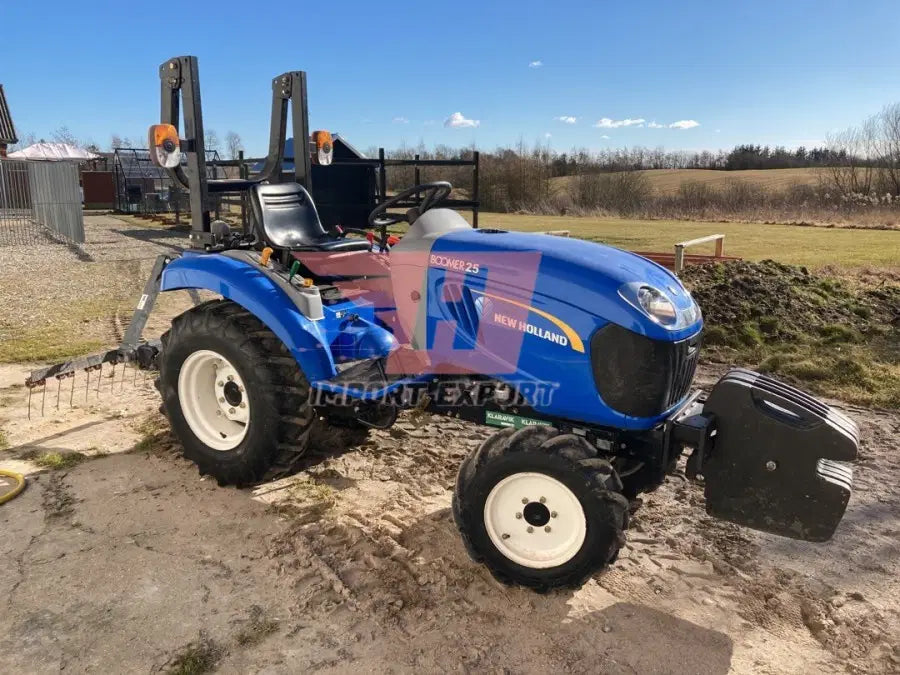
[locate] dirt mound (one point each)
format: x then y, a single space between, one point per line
841 337
750 301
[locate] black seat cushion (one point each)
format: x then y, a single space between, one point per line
287 218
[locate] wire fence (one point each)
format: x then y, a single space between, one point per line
40 202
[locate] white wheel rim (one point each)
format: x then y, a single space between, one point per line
534 520
213 400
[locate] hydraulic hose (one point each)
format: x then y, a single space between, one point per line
20 485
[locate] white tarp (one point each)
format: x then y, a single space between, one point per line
54 152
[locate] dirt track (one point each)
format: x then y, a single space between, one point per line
127 562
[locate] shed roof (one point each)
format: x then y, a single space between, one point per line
53 152
7 129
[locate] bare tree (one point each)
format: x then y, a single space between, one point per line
233 144
888 145
24 142
115 141
63 134
856 148
211 140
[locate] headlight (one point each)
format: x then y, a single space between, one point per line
657 305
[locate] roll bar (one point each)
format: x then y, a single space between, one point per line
180 84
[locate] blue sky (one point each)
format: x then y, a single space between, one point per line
392 72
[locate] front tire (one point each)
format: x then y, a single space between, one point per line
539 508
234 395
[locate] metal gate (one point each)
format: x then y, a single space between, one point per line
40 202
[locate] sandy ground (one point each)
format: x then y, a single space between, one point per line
132 562
127 562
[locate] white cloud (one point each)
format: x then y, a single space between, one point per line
606 123
718 131
655 125
566 119
684 124
458 121
605 136
401 120
535 64
548 135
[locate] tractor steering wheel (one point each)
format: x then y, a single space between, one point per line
433 194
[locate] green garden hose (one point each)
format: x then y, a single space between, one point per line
19 481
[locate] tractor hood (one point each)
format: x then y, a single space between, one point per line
602 280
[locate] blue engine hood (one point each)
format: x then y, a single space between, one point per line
583 274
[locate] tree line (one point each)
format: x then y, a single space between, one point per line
232 147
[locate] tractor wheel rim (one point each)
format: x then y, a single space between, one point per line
534 520
214 400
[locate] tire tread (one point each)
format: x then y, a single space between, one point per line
601 478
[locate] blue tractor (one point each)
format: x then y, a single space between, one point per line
582 356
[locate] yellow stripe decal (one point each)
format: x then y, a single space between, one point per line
567 330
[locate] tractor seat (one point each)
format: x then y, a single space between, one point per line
287 218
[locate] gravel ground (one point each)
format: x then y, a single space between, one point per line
55 296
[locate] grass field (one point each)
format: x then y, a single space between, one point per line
815 247
667 181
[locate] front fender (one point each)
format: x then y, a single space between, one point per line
246 285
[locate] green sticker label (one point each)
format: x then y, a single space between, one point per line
499 419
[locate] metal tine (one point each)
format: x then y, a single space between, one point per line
30 389
43 397
87 385
72 391
99 379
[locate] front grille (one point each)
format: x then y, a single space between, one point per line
638 376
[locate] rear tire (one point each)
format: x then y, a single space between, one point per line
539 508
268 394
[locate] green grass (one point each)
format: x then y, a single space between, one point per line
856 375
55 460
47 345
196 658
153 431
257 629
814 247
69 334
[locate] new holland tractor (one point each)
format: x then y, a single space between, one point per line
582 356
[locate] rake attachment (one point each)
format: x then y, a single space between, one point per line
133 352
104 371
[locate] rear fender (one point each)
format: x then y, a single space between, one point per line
246 285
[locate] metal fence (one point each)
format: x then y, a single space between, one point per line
39 202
